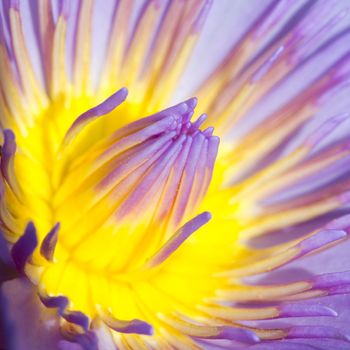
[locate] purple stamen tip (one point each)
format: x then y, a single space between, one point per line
136 327
9 147
59 302
111 102
77 318
192 102
103 108
200 121
178 238
48 245
208 132
24 247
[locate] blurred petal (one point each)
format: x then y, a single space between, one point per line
33 326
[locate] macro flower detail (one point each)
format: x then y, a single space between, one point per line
132 218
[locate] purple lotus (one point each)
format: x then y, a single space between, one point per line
127 221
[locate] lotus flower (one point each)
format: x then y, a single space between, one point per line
125 225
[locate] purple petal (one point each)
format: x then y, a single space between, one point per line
317 332
331 279
67 345
305 310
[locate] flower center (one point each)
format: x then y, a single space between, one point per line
119 201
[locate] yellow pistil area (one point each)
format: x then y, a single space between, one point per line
98 261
